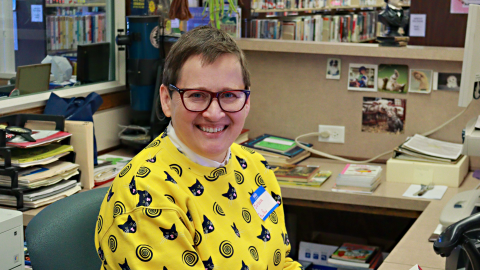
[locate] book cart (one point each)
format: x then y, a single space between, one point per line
5 152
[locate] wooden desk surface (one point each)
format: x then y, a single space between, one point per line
412 249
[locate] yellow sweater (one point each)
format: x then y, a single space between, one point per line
164 211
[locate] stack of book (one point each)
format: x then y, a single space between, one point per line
278 150
393 41
243 137
423 149
300 175
354 256
42 176
358 179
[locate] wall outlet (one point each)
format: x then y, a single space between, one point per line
336 134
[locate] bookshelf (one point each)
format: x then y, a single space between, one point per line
330 8
76 5
351 49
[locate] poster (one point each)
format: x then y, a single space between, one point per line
461 6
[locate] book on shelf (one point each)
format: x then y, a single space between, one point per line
42 137
421 148
22 157
295 173
354 255
243 137
345 265
317 180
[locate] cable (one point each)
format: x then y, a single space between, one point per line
426 134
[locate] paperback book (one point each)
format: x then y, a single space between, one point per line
295 173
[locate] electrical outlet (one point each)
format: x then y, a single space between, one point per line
336 134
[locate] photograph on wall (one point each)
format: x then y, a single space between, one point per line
384 115
393 78
420 81
362 77
447 81
334 68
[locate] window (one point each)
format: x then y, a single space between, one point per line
34 29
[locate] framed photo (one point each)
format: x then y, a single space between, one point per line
393 78
362 77
384 115
334 66
420 81
448 81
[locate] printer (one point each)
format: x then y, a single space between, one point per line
11 239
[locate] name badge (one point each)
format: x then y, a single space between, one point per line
263 203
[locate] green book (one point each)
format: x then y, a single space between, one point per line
276 144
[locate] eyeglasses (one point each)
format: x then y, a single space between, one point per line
195 100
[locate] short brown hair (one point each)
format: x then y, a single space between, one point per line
206 41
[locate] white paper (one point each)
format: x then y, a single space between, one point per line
175 23
37 13
433 147
436 193
418 24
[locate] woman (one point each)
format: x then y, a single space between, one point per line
184 201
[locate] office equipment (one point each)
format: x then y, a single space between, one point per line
470 84
419 172
11 237
458 244
66 229
93 63
33 78
461 206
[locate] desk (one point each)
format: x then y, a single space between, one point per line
412 249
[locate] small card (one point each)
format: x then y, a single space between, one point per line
263 203
436 193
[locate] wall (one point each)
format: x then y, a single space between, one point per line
290 97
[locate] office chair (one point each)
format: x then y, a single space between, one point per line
62 236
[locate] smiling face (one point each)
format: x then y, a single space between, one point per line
209 133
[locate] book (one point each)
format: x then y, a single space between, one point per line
433 148
355 253
346 265
276 144
42 137
291 153
243 137
295 173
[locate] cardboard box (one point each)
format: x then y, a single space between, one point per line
414 172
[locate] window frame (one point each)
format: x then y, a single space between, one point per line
37 100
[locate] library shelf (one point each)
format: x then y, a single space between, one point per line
351 49
76 5
318 9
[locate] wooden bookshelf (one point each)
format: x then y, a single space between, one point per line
318 9
77 5
351 49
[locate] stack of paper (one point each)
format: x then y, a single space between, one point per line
421 148
109 166
42 137
39 155
39 197
358 179
40 176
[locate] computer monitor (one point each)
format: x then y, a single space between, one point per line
33 78
470 84
93 62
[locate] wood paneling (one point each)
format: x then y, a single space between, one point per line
109 101
443 28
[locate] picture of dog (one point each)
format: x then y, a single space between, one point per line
333 68
421 81
452 82
393 78
448 81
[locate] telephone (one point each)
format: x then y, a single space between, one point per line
462 205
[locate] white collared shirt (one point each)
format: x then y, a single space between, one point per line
192 155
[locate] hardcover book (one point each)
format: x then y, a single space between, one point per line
354 253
